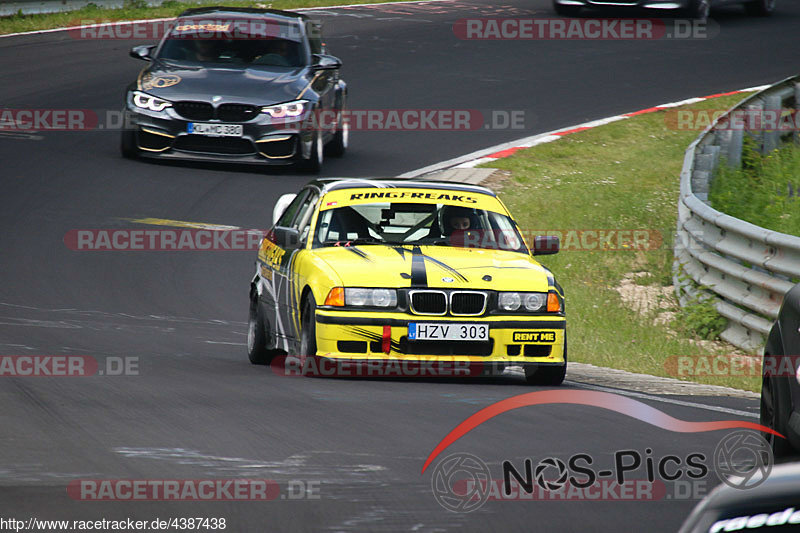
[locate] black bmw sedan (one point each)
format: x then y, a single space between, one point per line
251 86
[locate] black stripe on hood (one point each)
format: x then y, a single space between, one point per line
419 274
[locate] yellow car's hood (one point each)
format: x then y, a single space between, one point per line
434 266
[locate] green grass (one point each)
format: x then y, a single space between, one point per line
623 175
766 192
136 10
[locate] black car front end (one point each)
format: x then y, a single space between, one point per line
212 131
221 88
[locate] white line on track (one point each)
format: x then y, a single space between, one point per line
493 152
673 401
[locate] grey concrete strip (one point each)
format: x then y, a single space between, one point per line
610 377
473 176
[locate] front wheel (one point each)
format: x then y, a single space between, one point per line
549 376
341 139
774 415
127 145
308 328
260 342
698 10
314 162
566 11
760 8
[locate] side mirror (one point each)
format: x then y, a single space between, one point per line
280 206
546 245
142 52
286 238
326 62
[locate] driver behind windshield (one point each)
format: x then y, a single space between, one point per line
456 218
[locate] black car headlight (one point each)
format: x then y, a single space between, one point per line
521 301
286 110
149 102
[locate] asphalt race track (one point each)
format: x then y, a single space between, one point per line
197 409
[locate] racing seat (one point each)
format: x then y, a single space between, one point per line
346 221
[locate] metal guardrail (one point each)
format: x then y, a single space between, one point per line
743 268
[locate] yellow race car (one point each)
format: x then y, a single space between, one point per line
403 277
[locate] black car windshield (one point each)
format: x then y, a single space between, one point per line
239 50
399 223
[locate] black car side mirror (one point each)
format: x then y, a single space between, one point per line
286 238
326 62
142 52
546 245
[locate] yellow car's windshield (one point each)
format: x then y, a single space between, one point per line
403 223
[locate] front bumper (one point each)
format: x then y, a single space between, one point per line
513 340
164 135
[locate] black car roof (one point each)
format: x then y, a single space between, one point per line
333 184
239 11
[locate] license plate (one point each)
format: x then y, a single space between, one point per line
215 130
427 331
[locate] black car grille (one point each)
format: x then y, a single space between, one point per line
467 303
429 302
194 110
237 112
458 303
214 145
225 112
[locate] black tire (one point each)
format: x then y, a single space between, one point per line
549 376
341 139
698 10
314 163
774 413
760 8
260 341
566 11
308 327
127 145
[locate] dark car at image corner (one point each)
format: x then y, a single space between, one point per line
237 85
780 388
694 9
772 506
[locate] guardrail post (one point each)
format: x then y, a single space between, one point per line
735 148
796 113
770 138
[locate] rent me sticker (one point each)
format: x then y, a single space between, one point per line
534 336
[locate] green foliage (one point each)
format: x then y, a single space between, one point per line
765 191
700 318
